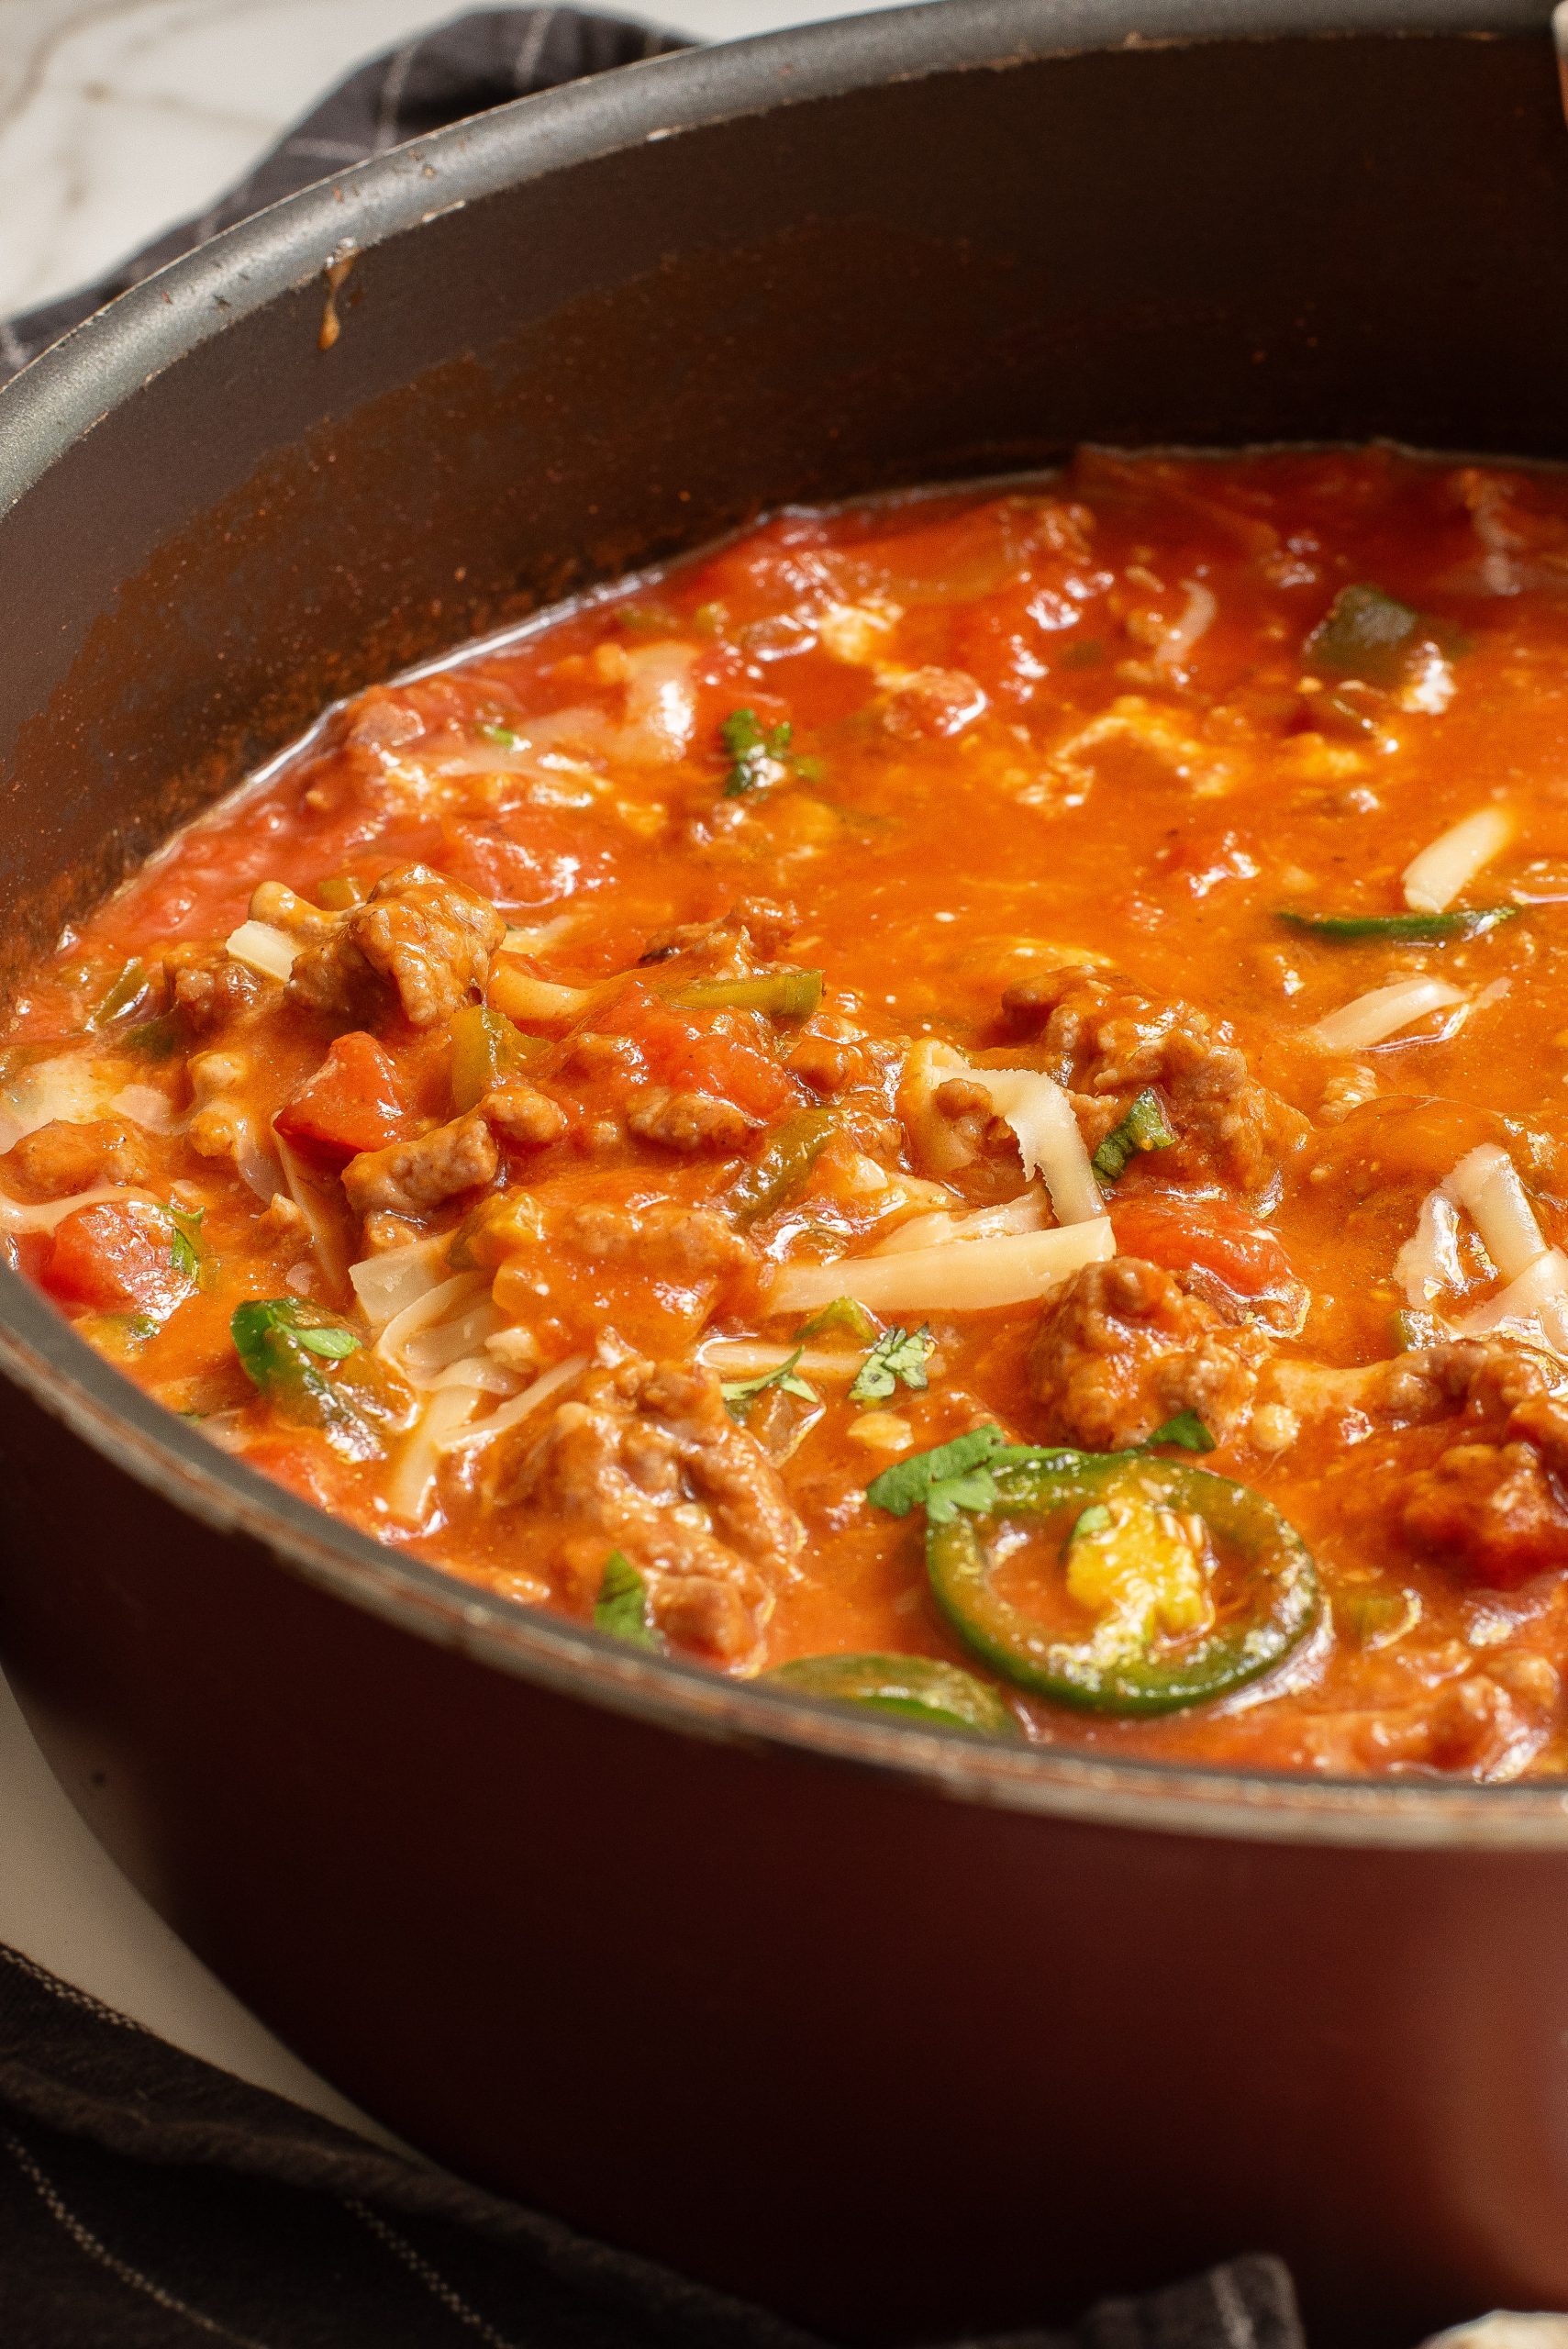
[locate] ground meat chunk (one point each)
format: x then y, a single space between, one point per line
207 988
670 1241
926 702
1495 1503
408 1176
60 1158
1108 1040
645 1459
685 1121
420 940
754 929
1494 1509
1127 1346
522 1114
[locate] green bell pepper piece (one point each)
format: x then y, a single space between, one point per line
1420 929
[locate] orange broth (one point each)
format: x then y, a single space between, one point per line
966 745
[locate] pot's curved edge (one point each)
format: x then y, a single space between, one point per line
45 410
66 390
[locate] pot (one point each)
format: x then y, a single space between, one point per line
892 2030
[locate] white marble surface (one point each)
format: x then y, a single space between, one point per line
120 116
116 118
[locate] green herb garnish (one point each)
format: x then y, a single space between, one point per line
621 1607
955 1475
897 1355
742 1391
502 736
284 1345
1187 1431
844 1313
1143 1128
757 754
185 1240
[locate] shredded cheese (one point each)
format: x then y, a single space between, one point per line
1370 1018
1487 1184
1434 879
508 1415
1013 1269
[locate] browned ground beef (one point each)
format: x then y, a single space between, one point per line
645 1459
420 940
60 1159
1127 1346
408 1176
1108 1040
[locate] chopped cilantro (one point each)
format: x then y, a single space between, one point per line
740 1392
502 736
844 1313
622 1607
1187 1431
185 1240
954 1475
1143 1128
898 1354
757 754
331 1345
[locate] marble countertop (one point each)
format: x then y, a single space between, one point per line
119 117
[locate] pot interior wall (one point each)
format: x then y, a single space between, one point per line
1312 239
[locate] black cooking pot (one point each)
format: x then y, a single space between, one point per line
896 2030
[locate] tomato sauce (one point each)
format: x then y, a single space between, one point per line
971 1086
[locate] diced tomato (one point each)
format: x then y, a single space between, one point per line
692 1052
353 1102
529 857
1180 1233
117 1257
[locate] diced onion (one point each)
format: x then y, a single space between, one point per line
68 1089
1026 1213
386 1284
508 1415
147 1107
1434 879
1429 1262
15 1216
1487 1184
261 948
1370 1018
1535 1305
1011 1269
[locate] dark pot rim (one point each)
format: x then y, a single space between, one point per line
71 387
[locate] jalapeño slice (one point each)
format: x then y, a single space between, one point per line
1129 1663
